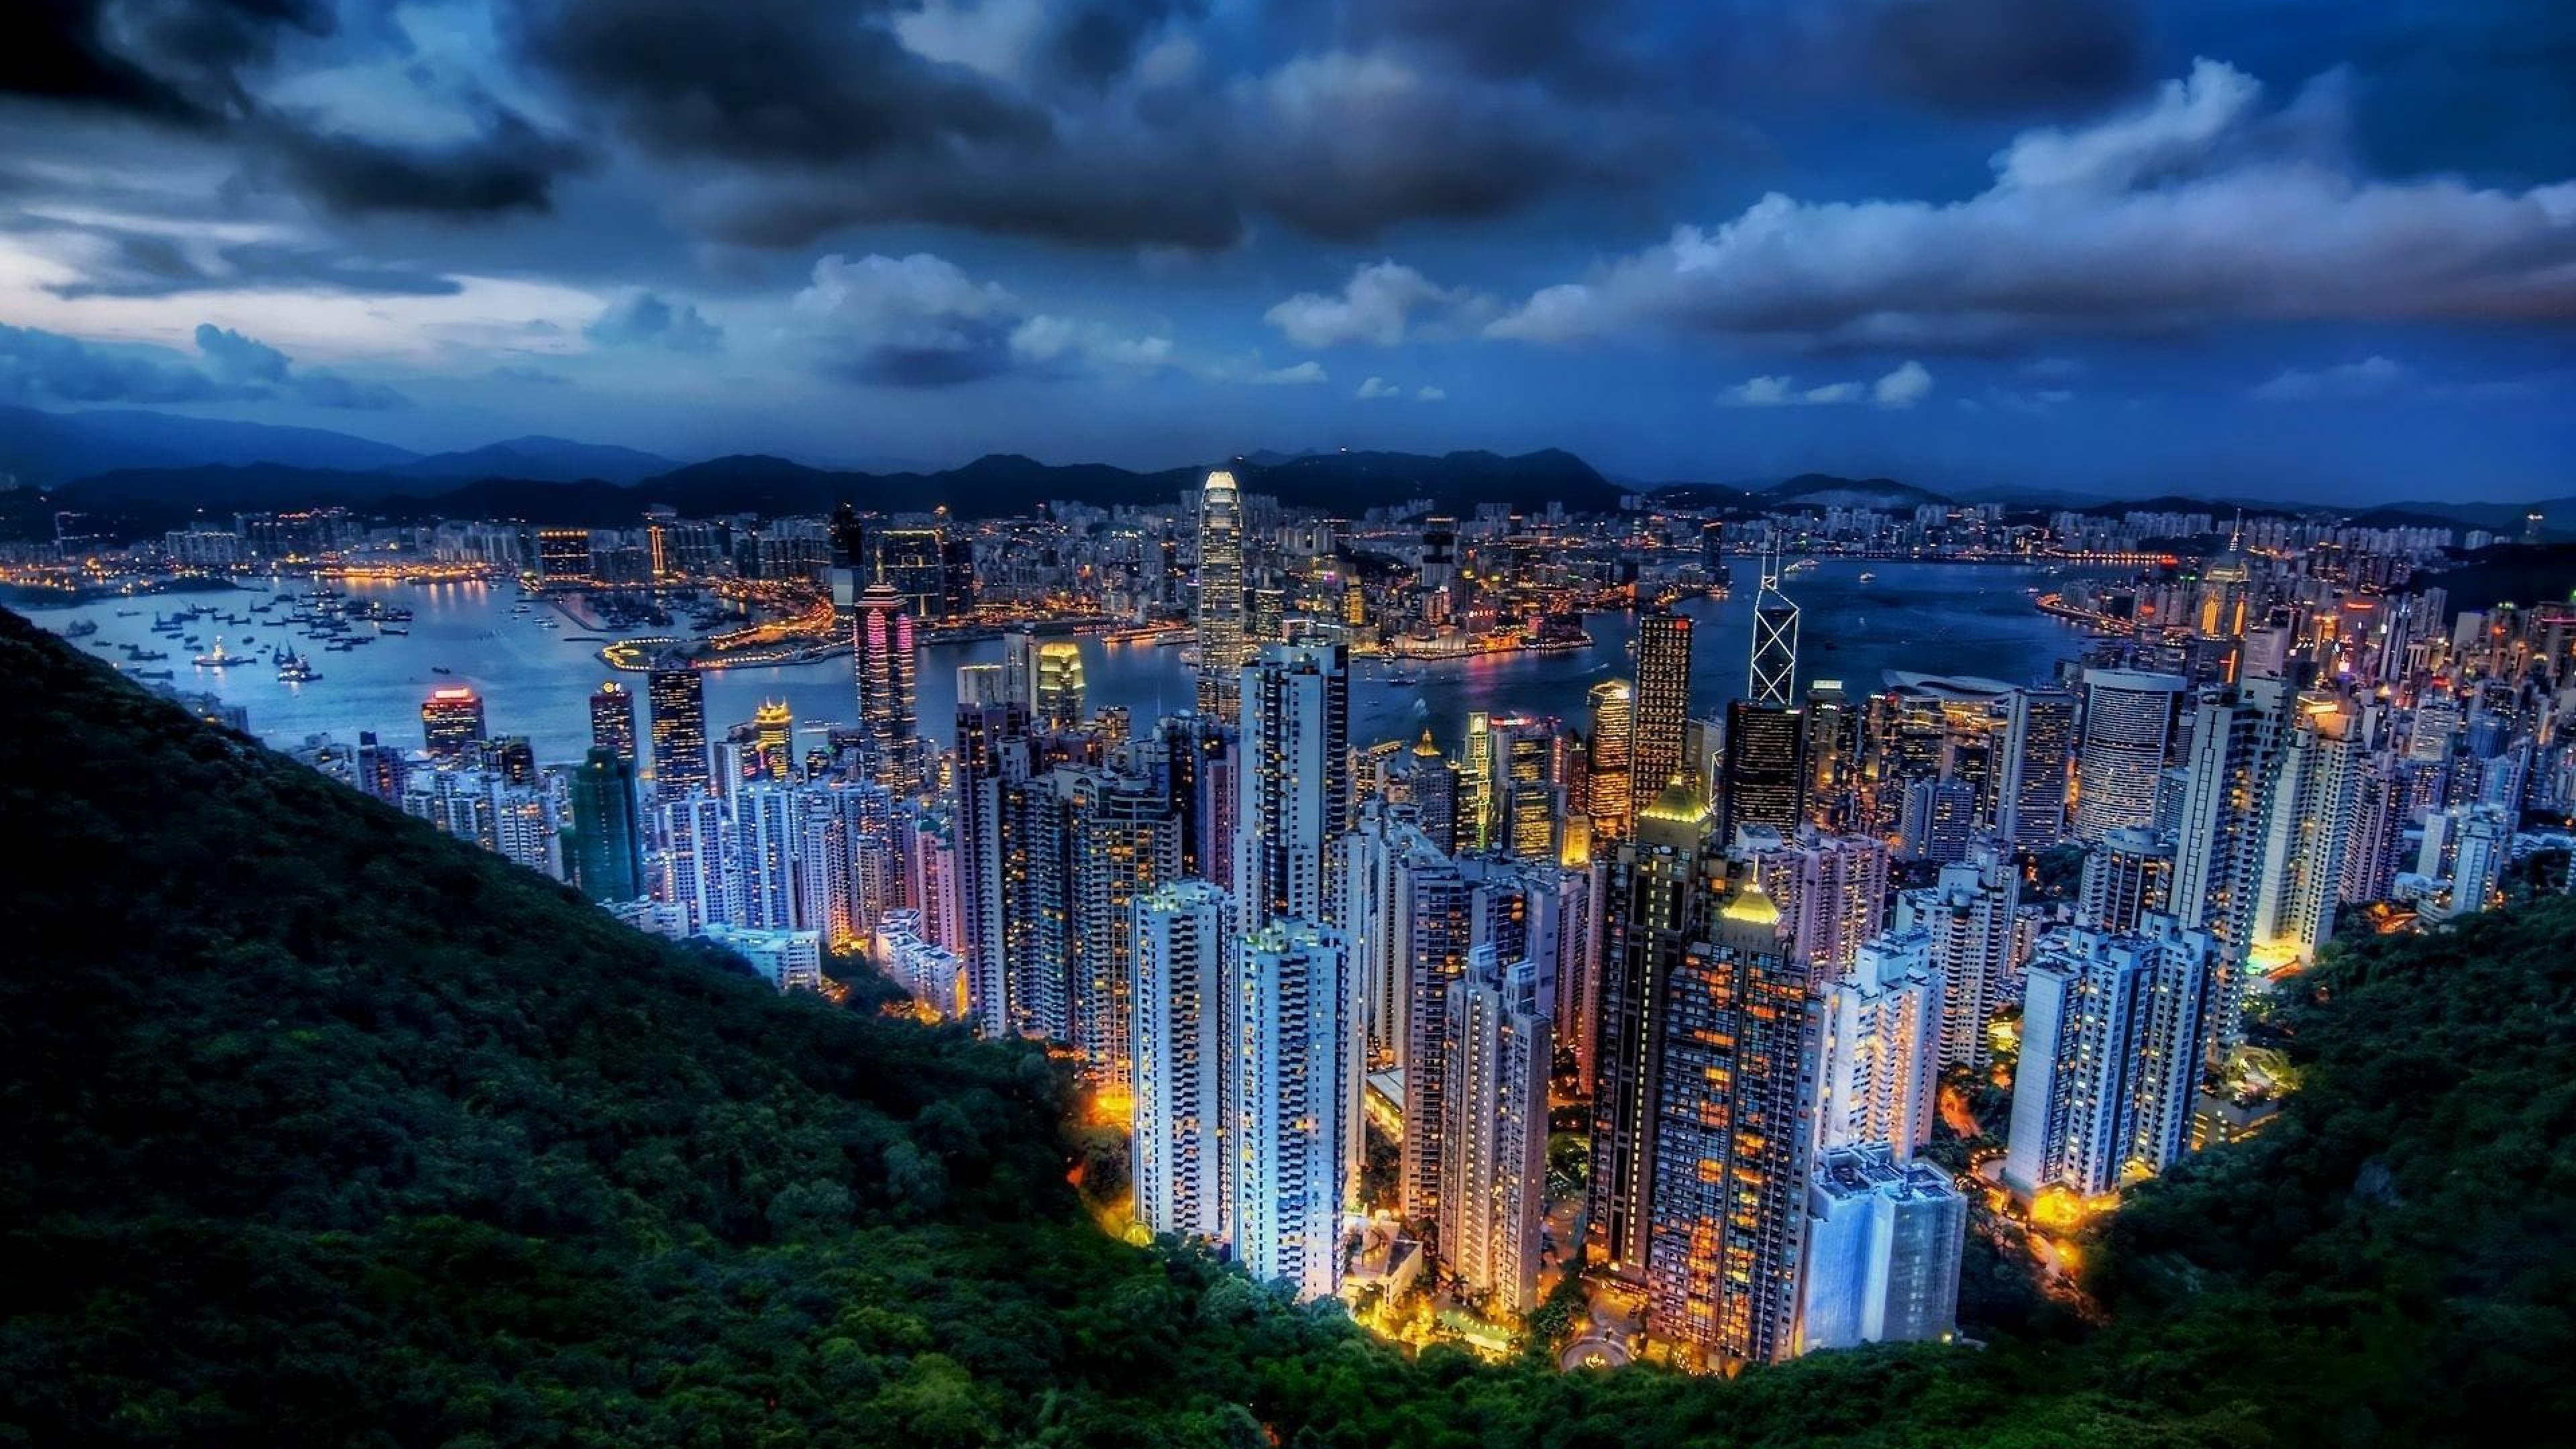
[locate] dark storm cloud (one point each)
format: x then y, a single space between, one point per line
1095 41
1981 57
255 369
153 264
510 166
1579 48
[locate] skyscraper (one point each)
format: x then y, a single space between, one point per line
451 724
1179 1031
1969 914
612 721
1493 1154
2219 839
2127 876
1294 1100
1764 773
1775 641
1657 882
1058 693
1608 753
1662 706
2110 1057
2129 721
1217 605
1735 1111
1884 1242
2039 739
1295 787
677 695
887 691
773 734
1880 1065
607 836
2308 826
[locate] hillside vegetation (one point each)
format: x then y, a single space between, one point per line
317 1128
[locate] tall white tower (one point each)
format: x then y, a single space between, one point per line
1218 608
1179 1159
1295 1102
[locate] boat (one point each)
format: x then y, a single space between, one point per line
1866 576
393 629
80 628
296 669
155 674
1402 679
216 658
127 613
440 669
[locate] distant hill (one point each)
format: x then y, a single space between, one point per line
558 460
2510 573
140 501
42 448
1806 490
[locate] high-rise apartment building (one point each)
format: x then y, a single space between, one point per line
2039 743
2110 1057
1179 1034
1294 790
1879 1068
1969 914
1493 1155
1883 1248
1294 1101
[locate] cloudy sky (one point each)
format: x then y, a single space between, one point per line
2299 247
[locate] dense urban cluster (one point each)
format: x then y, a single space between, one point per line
1649 1015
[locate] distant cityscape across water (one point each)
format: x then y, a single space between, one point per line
1861 619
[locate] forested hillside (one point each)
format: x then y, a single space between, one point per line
317 1127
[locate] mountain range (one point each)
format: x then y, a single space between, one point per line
136 472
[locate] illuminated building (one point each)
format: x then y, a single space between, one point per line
2310 818
1775 641
1493 1150
1831 891
563 557
2039 740
2219 838
1657 881
1423 779
612 721
2126 877
2128 738
1295 783
1120 842
1295 1101
1058 692
1607 756
1880 1066
1178 1160
697 872
1734 1144
1217 603
607 837
677 694
773 733
1884 1241
2110 1057
920 566
1662 706
451 724
790 960
766 840
1969 913
885 663
991 743
1833 756
1764 775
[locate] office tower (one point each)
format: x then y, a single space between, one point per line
2128 735
1294 787
1657 882
1735 1097
1775 642
510 758
1493 1158
677 694
1879 1070
986 684
1524 773
915 564
1018 671
1763 779
2128 876
1607 754
1217 605
1833 755
1478 809
2039 740
990 752
1831 891
766 835
1423 779
773 739
1057 697
1193 757
1884 1241
2308 824
697 860
612 721
1178 1158
1661 707
1968 913
451 724
882 646
608 839
1937 819
2218 854
1121 842
2110 1057
1294 1100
